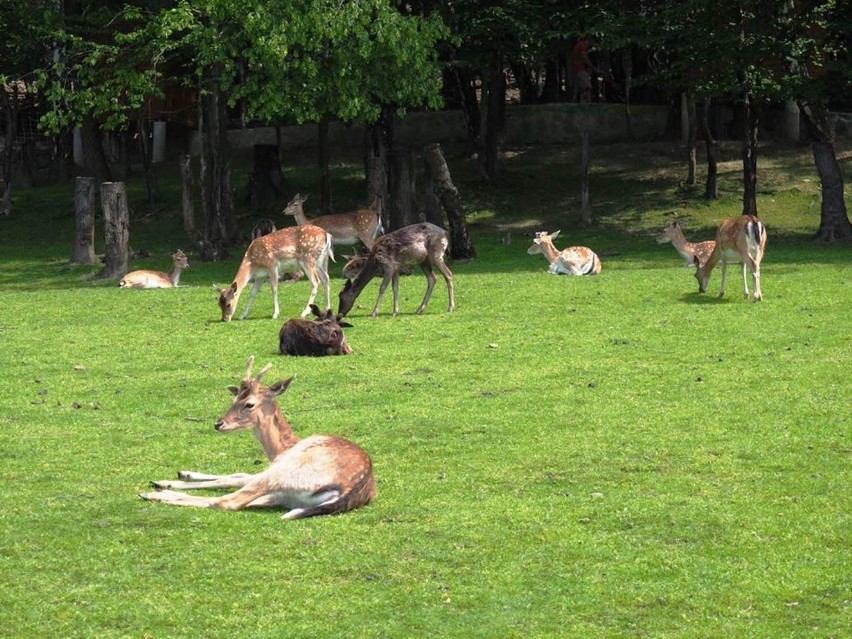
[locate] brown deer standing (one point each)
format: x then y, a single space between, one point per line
575 260
318 475
421 244
673 232
156 279
741 239
306 247
345 228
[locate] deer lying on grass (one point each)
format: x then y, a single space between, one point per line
575 260
264 226
318 475
318 337
345 228
743 240
156 279
422 244
306 247
673 232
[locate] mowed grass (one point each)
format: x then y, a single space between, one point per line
615 456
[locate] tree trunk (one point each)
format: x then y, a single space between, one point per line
84 213
690 139
217 202
379 140
401 187
147 162
469 104
187 182
434 212
585 208
627 63
116 233
460 244
93 150
493 119
325 171
711 190
266 181
749 155
10 108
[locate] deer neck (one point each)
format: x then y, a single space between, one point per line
274 433
301 218
681 245
549 251
371 268
174 276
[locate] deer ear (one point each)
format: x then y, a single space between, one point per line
343 324
279 387
554 234
315 310
235 390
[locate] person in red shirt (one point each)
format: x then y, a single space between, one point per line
581 64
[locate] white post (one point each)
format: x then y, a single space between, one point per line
791 121
79 159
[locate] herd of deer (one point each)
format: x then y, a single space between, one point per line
328 474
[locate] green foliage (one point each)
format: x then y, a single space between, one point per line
615 456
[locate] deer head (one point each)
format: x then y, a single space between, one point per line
253 403
228 301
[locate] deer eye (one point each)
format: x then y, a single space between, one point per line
249 406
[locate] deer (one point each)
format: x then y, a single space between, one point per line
422 244
156 279
318 475
264 226
575 260
345 228
742 240
673 232
306 247
320 336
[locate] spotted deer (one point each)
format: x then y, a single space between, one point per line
421 244
743 240
345 228
575 260
318 475
673 232
156 279
297 247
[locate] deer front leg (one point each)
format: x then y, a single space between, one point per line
254 289
430 284
311 272
196 481
724 273
382 288
395 286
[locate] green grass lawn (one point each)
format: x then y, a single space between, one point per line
615 456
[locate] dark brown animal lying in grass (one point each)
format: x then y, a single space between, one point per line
318 337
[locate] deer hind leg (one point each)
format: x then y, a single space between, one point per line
448 278
254 289
313 277
755 274
196 481
745 270
382 288
430 285
323 503
322 273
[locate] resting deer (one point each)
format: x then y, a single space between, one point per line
345 228
673 232
743 240
422 244
306 247
318 475
264 226
156 279
575 260
318 337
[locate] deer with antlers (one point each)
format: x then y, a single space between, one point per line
742 240
297 247
345 228
422 245
318 475
575 260
156 279
673 232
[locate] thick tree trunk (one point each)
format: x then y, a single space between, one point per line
469 104
93 150
147 162
266 182
116 230
690 139
527 88
84 213
401 187
378 143
749 155
10 109
461 247
585 207
187 182
433 210
493 119
711 190
217 202
324 169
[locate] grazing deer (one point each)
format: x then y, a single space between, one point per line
345 228
575 260
318 337
264 226
743 240
422 244
156 279
318 475
354 264
306 247
673 232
